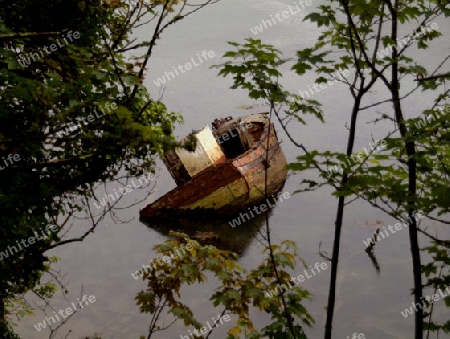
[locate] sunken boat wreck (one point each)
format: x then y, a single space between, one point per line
226 172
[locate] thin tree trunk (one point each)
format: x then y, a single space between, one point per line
412 181
338 224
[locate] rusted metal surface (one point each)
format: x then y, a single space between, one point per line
256 130
176 168
228 186
217 123
253 167
201 186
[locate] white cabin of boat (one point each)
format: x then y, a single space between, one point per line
229 139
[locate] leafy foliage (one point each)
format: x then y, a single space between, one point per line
237 292
75 116
437 273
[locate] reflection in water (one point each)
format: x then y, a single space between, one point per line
209 228
370 250
212 230
374 260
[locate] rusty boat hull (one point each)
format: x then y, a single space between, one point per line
233 181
